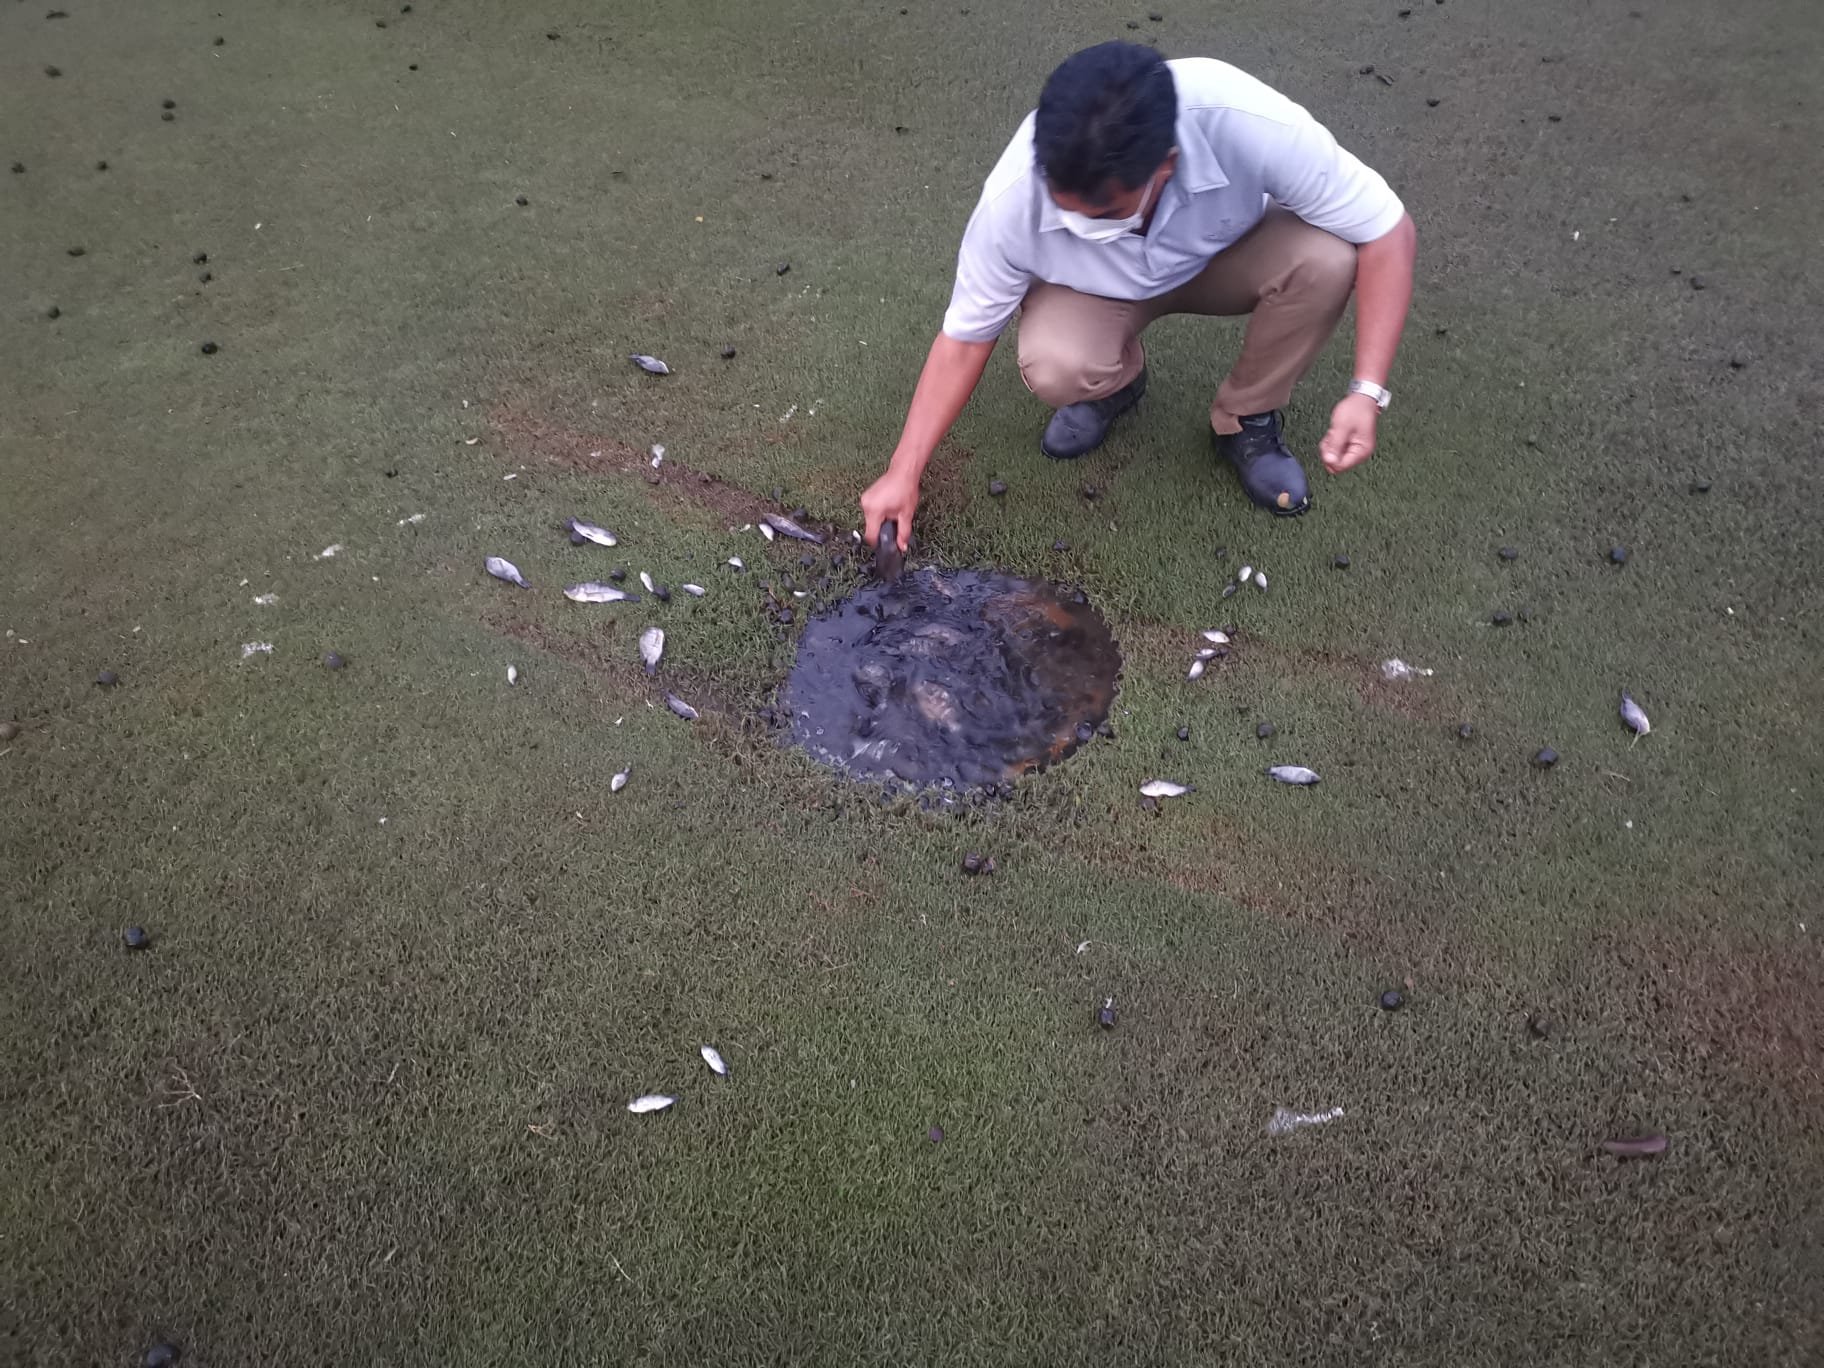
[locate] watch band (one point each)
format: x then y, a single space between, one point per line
1382 397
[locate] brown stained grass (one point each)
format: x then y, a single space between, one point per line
1754 1008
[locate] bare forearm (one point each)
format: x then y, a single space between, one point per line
1383 293
951 373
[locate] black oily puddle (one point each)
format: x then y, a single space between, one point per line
957 679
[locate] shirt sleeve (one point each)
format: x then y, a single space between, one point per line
989 286
1324 184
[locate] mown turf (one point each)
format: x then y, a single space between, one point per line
364 1098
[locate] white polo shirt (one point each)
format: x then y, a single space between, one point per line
1240 143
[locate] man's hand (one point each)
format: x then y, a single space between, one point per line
1350 440
894 496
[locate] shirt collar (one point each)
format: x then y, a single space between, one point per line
1197 171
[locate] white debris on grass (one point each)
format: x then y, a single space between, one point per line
265 600
333 549
1394 668
250 648
1285 1121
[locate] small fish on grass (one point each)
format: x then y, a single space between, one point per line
1292 774
681 708
652 646
593 591
785 527
1196 671
736 563
1284 1121
651 1102
767 531
694 590
1164 788
1395 669
650 364
619 782
581 532
1633 716
646 580
713 1058
333 549
503 569
1216 638
512 674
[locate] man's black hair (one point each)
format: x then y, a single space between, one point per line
1108 113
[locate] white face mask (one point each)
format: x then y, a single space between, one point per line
1107 230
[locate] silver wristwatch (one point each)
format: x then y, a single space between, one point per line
1380 396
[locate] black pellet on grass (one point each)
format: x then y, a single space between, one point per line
78 251
782 268
1545 757
1618 555
379 23
168 104
1340 562
1265 730
521 201
167 116
1366 69
412 67
107 679
206 277
218 42
996 488
617 574
18 168
1184 733
199 258
1502 619
1540 1026
1085 733
1392 1001
160 1356
1698 282
209 349
1466 732
1105 1017
728 353
101 166
1060 545
53 312
135 938
53 72
1508 553
1700 486
1432 101
333 661
661 593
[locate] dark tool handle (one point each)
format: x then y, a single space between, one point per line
889 560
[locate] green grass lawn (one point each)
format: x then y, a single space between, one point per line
364 1099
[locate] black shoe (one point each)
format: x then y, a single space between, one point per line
1269 473
1078 429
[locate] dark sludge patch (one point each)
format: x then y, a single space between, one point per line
957 679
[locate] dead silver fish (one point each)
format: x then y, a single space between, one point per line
713 1058
512 674
1285 1121
592 591
1164 788
680 707
650 364
1207 653
737 563
694 590
785 527
1260 579
589 532
1247 572
619 782
1633 715
1293 774
767 531
646 580
1219 638
503 569
1196 670
652 1102
652 646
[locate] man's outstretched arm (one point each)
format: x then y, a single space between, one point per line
1383 293
952 371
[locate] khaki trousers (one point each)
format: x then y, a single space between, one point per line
1294 279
